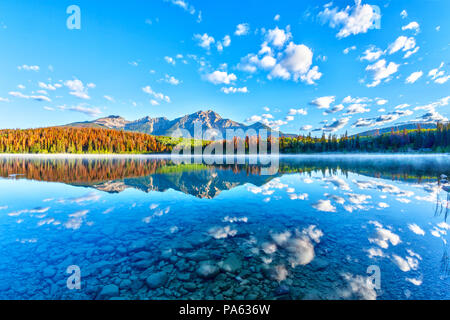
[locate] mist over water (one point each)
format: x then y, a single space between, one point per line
152 228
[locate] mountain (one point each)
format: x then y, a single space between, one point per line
398 127
164 127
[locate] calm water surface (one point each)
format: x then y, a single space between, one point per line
146 228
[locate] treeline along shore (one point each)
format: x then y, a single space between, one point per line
103 141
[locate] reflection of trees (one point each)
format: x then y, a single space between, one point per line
404 169
97 170
445 263
441 206
76 171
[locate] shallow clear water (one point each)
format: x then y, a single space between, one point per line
143 228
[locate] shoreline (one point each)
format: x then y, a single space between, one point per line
167 155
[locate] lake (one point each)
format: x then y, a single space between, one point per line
320 227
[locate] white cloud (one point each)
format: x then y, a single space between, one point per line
28 68
46 86
184 5
170 60
156 95
383 236
306 127
357 108
438 75
324 205
372 54
413 77
323 102
33 97
412 26
347 50
171 79
403 14
77 89
254 118
416 229
226 41
402 43
351 20
295 63
220 77
293 112
380 71
93 112
109 98
381 102
336 125
382 119
234 90
278 37
242 29
410 52
312 75
204 40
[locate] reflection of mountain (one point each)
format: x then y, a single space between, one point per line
207 181
116 175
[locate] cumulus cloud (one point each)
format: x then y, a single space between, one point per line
323 102
352 20
383 236
278 37
405 264
220 77
296 62
412 26
324 205
402 43
78 89
413 77
356 108
372 54
416 229
204 40
336 125
242 29
380 71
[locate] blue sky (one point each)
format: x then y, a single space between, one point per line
298 66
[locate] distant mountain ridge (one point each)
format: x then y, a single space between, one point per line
398 127
161 126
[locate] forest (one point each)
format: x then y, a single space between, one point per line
104 141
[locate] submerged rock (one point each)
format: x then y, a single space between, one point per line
157 280
207 270
108 292
232 264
